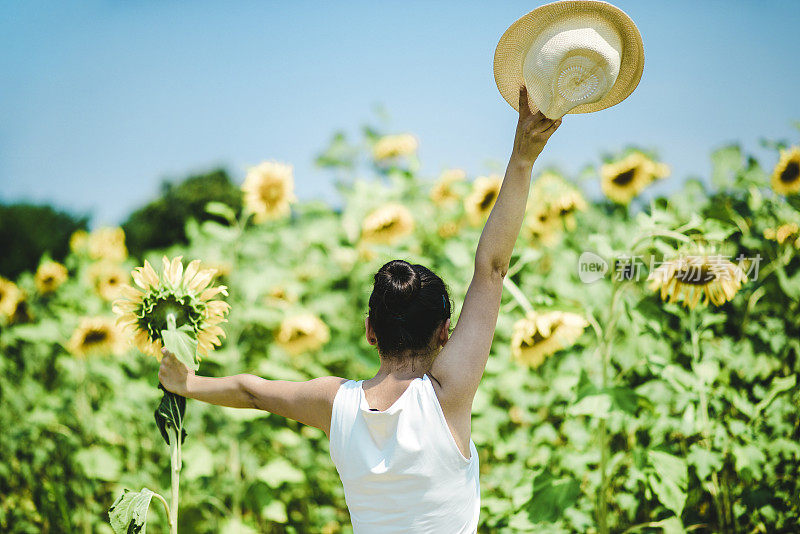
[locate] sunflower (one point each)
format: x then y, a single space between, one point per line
624 179
539 335
302 333
788 232
555 203
542 226
786 176
394 146
269 190
49 276
185 295
10 298
107 279
107 244
387 224
442 193
97 335
448 229
280 296
480 201
78 241
688 278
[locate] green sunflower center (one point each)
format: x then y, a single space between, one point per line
624 178
296 335
697 275
157 307
271 192
533 340
791 172
487 200
93 337
385 227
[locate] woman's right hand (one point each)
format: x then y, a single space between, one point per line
173 374
533 131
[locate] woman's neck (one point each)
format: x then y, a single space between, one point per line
404 367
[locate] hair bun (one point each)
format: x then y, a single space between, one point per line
404 282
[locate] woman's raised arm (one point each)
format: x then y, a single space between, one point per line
459 366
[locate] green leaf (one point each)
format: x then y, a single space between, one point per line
669 481
128 514
221 209
170 413
672 525
551 497
592 405
727 162
182 343
197 461
749 457
279 471
98 463
704 461
236 526
275 511
779 385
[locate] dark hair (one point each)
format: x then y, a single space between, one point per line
408 303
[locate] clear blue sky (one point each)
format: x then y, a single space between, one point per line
101 100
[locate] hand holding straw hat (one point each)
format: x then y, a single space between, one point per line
574 56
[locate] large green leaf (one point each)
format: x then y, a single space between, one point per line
551 497
182 343
669 482
128 514
170 413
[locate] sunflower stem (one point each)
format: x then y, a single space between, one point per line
677 236
175 474
166 509
172 321
706 423
606 343
517 294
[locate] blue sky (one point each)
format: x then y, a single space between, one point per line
100 100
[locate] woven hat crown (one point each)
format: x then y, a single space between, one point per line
574 56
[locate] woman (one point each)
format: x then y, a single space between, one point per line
401 440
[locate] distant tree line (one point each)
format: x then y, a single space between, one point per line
28 231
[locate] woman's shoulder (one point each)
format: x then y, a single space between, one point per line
331 384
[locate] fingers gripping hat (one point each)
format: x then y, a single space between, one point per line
575 56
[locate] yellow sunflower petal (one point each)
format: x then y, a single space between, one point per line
191 271
176 270
211 292
201 280
150 274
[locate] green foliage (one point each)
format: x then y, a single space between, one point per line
128 514
31 231
693 414
170 414
161 222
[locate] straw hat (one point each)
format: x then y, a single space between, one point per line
575 56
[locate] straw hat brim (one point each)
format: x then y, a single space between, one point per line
509 56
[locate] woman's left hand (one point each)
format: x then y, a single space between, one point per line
173 374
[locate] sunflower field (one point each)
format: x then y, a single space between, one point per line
643 375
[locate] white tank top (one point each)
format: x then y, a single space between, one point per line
401 468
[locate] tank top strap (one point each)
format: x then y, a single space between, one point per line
343 415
